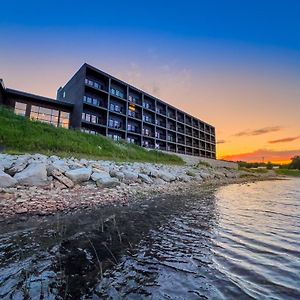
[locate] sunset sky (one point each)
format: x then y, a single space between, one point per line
234 64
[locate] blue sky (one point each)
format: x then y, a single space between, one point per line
214 59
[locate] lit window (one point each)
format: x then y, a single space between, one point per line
20 108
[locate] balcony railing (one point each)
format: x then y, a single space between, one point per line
95 84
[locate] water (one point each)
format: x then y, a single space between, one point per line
240 241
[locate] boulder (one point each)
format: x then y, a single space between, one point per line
6 180
79 175
33 174
145 178
19 165
130 176
62 178
168 177
59 165
99 175
151 171
107 182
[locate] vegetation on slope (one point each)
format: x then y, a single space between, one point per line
21 135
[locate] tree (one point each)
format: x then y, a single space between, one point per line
269 165
295 164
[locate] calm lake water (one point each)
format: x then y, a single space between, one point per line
240 241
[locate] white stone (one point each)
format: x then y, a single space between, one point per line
33 174
6 180
79 175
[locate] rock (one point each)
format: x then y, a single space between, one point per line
79 175
145 178
168 177
19 165
21 210
6 180
117 174
130 176
191 173
33 174
183 178
59 165
100 174
62 178
107 182
150 171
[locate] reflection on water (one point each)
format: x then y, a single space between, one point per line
240 242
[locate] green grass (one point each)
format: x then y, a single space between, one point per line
20 135
288 172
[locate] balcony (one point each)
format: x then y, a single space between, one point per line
94 84
116 108
93 119
134 99
171 115
134 114
116 124
160 136
147 119
117 93
148 106
160 111
93 101
133 128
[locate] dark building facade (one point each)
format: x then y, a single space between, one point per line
98 103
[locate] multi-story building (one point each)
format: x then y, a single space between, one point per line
98 103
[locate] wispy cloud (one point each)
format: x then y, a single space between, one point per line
263 154
259 131
221 142
285 140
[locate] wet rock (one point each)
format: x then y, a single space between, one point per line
6 180
33 174
79 175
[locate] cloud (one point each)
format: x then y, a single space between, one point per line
284 140
259 131
263 154
221 142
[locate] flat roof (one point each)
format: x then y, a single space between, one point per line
38 98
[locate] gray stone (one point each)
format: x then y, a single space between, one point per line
79 175
130 176
99 174
6 180
59 165
107 182
19 165
145 178
168 177
33 174
151 171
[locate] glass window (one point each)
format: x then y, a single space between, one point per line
20 108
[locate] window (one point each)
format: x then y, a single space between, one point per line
49 115
20 108
64 94
64 119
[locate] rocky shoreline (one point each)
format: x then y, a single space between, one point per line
41 185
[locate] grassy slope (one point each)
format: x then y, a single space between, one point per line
288 172
20 135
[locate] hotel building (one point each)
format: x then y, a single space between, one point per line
97 103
